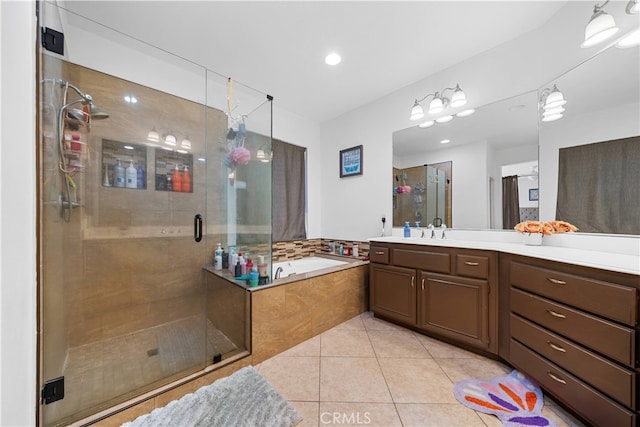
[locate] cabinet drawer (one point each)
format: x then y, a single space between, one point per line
615 302
591 404
604 375
607 338
437 262
472 266
379 254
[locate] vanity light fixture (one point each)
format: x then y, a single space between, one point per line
169 139
439 102
444 119
633 7
153 135
552 102
427 124
186 143
601 26
466 113
630 40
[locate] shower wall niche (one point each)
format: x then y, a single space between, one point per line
124 305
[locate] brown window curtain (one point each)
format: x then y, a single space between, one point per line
510 202
289 194
599 186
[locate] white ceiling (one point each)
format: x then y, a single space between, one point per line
279 47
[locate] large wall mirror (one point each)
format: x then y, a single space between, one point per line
499 136
601 124
507 138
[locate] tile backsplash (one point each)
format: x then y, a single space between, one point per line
296 249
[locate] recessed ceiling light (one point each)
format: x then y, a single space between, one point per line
445 141
332 59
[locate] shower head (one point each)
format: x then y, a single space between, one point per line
95 112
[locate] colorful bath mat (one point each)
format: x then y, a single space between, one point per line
514 399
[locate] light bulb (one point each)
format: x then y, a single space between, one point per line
444 119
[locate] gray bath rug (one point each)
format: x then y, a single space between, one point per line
243 399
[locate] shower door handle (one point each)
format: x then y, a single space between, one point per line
197 227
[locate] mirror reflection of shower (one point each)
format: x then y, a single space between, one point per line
84 112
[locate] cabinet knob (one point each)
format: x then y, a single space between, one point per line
556 281
471 263
555 378
556 314
556 347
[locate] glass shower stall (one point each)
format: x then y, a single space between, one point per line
146 162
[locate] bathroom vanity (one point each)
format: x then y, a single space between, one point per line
557 314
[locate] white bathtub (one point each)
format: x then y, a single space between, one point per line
304 265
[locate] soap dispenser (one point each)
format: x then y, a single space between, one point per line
407 229
131 176
118 174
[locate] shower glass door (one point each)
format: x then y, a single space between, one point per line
126 169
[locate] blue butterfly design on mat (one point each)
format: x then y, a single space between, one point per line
514 399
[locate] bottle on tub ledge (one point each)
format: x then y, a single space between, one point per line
217 260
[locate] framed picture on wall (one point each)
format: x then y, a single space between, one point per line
351 161
533 194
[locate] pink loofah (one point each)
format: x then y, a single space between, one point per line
240 156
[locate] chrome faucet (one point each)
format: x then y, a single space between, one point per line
278 271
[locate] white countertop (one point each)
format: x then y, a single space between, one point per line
620 254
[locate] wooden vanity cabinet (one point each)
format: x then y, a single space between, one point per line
446 292
393 293
574 330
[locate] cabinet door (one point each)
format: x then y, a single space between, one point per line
393 292
454 307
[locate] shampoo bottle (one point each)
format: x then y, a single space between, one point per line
407 229
131 176
176 179
186 180
142 178
118 174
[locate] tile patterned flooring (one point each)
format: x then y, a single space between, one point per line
368 372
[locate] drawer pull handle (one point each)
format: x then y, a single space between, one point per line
379 253
556 314
556 347
556 281
412 280
555 378
471 263
423 283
